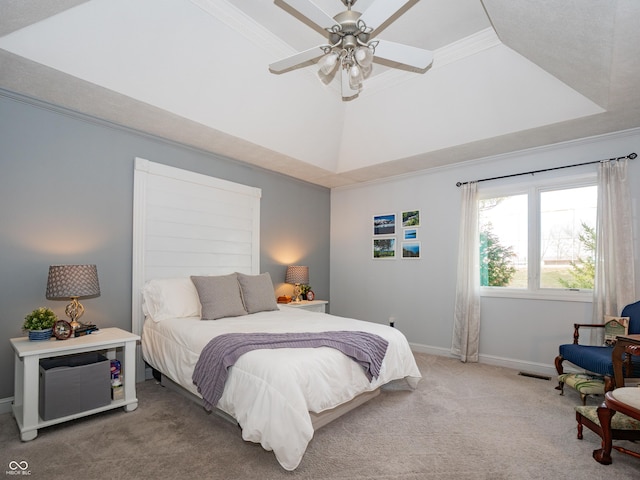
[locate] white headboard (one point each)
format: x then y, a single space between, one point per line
186 223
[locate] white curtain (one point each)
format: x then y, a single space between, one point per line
615 277
466 321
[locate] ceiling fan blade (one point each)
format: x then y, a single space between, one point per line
404 54
381 11
312 12
295 60
347 91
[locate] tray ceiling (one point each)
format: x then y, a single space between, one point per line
507 75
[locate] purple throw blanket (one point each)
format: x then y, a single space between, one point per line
223 351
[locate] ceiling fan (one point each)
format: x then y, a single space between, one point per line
350 45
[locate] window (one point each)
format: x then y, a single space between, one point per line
504 251
538 239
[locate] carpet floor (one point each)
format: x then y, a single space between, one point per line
464 421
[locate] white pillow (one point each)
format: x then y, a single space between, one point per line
166 298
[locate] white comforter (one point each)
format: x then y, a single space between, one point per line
270 392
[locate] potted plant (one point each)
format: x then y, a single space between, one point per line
39 323
303 291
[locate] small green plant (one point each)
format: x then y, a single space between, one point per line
40 319
304 289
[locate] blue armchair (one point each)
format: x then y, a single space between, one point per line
597 359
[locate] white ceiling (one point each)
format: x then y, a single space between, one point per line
507 75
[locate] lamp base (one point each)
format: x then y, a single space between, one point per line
296 293
74 311
75 324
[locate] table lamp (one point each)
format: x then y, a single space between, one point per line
73 282
297 275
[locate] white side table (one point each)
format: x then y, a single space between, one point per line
27 370
312 306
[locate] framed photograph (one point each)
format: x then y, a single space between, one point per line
384 248
411 250
614 326
384 224
410 234
411 218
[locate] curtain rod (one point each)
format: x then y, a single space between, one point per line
631 156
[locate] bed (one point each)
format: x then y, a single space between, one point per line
185 260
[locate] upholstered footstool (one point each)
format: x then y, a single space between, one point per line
623 427
583 383
624 401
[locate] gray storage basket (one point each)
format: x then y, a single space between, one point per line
73 384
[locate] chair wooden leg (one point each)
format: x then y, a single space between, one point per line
603 455
608 383
579 420
560 370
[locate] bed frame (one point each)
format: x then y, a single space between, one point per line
318 420
185 223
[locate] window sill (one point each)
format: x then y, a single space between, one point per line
555 295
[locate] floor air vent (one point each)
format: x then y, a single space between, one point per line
534 375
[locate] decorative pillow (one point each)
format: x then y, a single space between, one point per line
166 298
219 296
257 292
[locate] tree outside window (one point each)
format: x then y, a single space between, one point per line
554 249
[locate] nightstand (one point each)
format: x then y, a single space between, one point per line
312 306
27 374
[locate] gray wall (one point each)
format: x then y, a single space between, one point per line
66 196
515 332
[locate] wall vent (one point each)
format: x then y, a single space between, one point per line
534 375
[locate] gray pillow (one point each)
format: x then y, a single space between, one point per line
257 292
219 296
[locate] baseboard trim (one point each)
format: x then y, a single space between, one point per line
534 367
5 405
418 347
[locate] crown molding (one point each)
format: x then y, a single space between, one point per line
458 50
513 155
246 26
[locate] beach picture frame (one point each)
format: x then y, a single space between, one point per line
410 234
411 250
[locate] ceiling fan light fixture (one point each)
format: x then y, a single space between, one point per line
364 56
328 62
350 44
355 76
